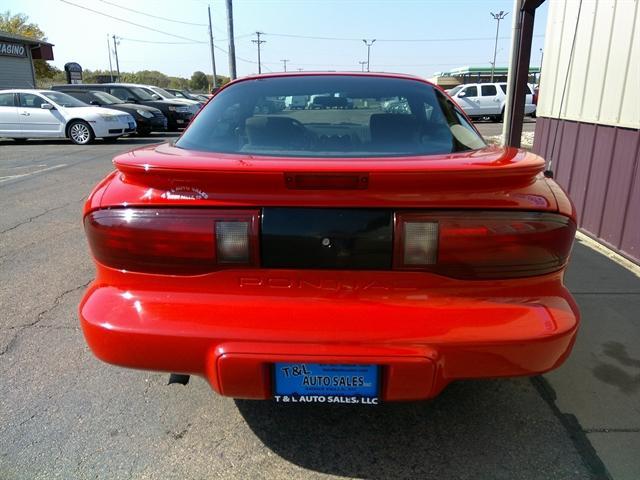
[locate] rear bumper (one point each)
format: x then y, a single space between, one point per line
423 339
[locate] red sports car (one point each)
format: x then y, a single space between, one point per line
338 255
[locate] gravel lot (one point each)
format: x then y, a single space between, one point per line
64 414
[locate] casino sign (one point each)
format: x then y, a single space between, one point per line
13 49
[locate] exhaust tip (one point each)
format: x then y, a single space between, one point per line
178 378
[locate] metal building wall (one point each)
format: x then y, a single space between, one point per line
16 72
600 81
589 115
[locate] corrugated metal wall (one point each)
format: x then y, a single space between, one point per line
16 72
600 82
588 126
599 166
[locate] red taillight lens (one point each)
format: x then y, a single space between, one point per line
483 244
173 241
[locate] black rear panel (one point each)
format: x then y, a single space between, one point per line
327 238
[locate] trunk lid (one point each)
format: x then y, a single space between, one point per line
493 177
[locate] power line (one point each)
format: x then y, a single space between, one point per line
154 16
194 42
159 42
130 23
408 40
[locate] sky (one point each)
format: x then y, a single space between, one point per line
454 33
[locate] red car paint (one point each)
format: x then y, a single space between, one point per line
423 328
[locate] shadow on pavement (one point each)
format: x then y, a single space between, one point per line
475 429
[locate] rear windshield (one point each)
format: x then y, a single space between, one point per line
331 116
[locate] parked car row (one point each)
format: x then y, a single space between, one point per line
177 112
48 114
487 99
83 112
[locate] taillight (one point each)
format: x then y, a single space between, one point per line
173 241
482 244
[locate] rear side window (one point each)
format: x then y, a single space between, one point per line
488 90
503 87
7 100
333 116
471 92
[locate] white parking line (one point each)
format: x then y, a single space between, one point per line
11 177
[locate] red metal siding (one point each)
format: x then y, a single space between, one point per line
599 166
580 177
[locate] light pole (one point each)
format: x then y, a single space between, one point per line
496 16
284 63
368 44
362 64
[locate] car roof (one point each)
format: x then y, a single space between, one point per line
26 90
404 76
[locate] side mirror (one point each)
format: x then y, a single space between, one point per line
47 106
156 97
131 100
94 102
461 94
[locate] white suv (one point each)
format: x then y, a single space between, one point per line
47 114
487 99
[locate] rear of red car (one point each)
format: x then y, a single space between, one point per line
356 254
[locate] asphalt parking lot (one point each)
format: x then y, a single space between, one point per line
64 414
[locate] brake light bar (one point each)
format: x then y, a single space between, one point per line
173 240
459 244
482 244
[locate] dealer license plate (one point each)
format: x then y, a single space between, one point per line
326 383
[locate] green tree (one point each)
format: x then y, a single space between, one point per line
199 81
179 83
152 77
18 24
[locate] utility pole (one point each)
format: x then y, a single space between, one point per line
115 50
232 44
213 55
362 64
259 42
368 44
110 64
496 16
284 63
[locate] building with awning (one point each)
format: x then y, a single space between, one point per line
468 74
17 54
